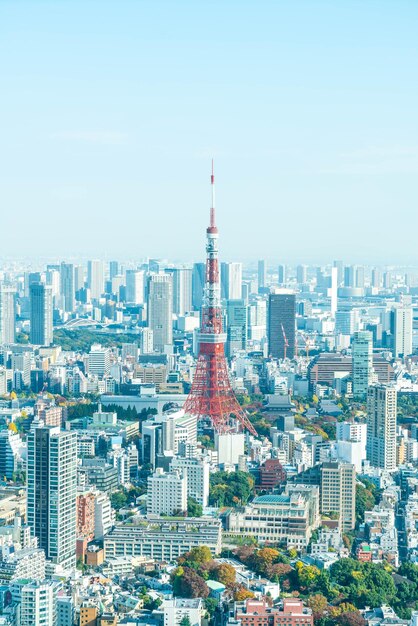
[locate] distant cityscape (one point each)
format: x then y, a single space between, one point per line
184 445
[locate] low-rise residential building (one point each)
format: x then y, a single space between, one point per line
163 539
291 612
176 609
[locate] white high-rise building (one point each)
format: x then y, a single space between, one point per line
229 446
401 328
346 322
104 517
351 443
166 493
135 286
95 278
99 360
338 492
362 351
231 281
333 291
51 491
35 602
381 426
351 431
147 341
160 310
182 290
7 314
197 473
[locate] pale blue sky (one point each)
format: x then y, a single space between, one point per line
111 110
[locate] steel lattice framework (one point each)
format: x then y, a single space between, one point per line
211 395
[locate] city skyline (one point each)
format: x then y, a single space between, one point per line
119 124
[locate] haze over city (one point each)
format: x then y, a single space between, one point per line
112 111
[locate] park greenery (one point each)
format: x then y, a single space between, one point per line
336 595
367 496
230 488
81 339
195 568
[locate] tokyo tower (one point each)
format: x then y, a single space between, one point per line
211 395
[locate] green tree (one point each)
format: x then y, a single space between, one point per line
211 605
367 496
200 554
118 500
230 488
194 509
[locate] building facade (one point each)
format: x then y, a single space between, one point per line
51 491
381 426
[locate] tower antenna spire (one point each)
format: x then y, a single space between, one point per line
212 209
211 396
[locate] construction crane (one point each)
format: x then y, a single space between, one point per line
286 343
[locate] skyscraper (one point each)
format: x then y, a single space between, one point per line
182 289
338 492
387 280
135 286
375 278
381 426
346 322
360 276
282 324
41 329
198 284
67 286
51 491
7 314
78 277
301 274
281 274
262 274
340 271
95 278
401 331
231 281
236 316
362 350
160 310
350 272
334 290
113 269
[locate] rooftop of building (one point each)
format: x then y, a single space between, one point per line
272 499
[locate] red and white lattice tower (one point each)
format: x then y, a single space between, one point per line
211 396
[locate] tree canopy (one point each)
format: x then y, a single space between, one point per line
230 488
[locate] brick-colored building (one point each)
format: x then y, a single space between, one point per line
292 612
271 474
88 615
50 414
85 515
